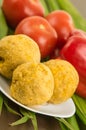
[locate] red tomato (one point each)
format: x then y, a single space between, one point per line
40 31
63 24
16 10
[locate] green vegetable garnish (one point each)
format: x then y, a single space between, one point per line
80 107
1 102
3 25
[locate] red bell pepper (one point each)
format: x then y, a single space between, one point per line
74 51
81 89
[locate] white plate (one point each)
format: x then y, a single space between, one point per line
64 110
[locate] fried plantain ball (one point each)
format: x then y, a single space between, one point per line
65 78
15 50
32 84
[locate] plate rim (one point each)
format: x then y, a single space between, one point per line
37 111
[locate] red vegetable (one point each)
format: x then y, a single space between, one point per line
78 32
16 10
74 51
81 89
54 54
41 31
63 24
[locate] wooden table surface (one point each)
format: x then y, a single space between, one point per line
44 122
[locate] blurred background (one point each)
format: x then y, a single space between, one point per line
80 5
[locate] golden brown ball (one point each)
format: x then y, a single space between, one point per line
32 84
15 50
65 78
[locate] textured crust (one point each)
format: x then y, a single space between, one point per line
32 84
15 50
66 80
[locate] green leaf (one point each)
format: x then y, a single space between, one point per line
1 102
34 120
24 112
52 5
45 6
22 120
73 121
80 103
63 127
11 110
67 124
3 25
11 31
80 107
31 115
